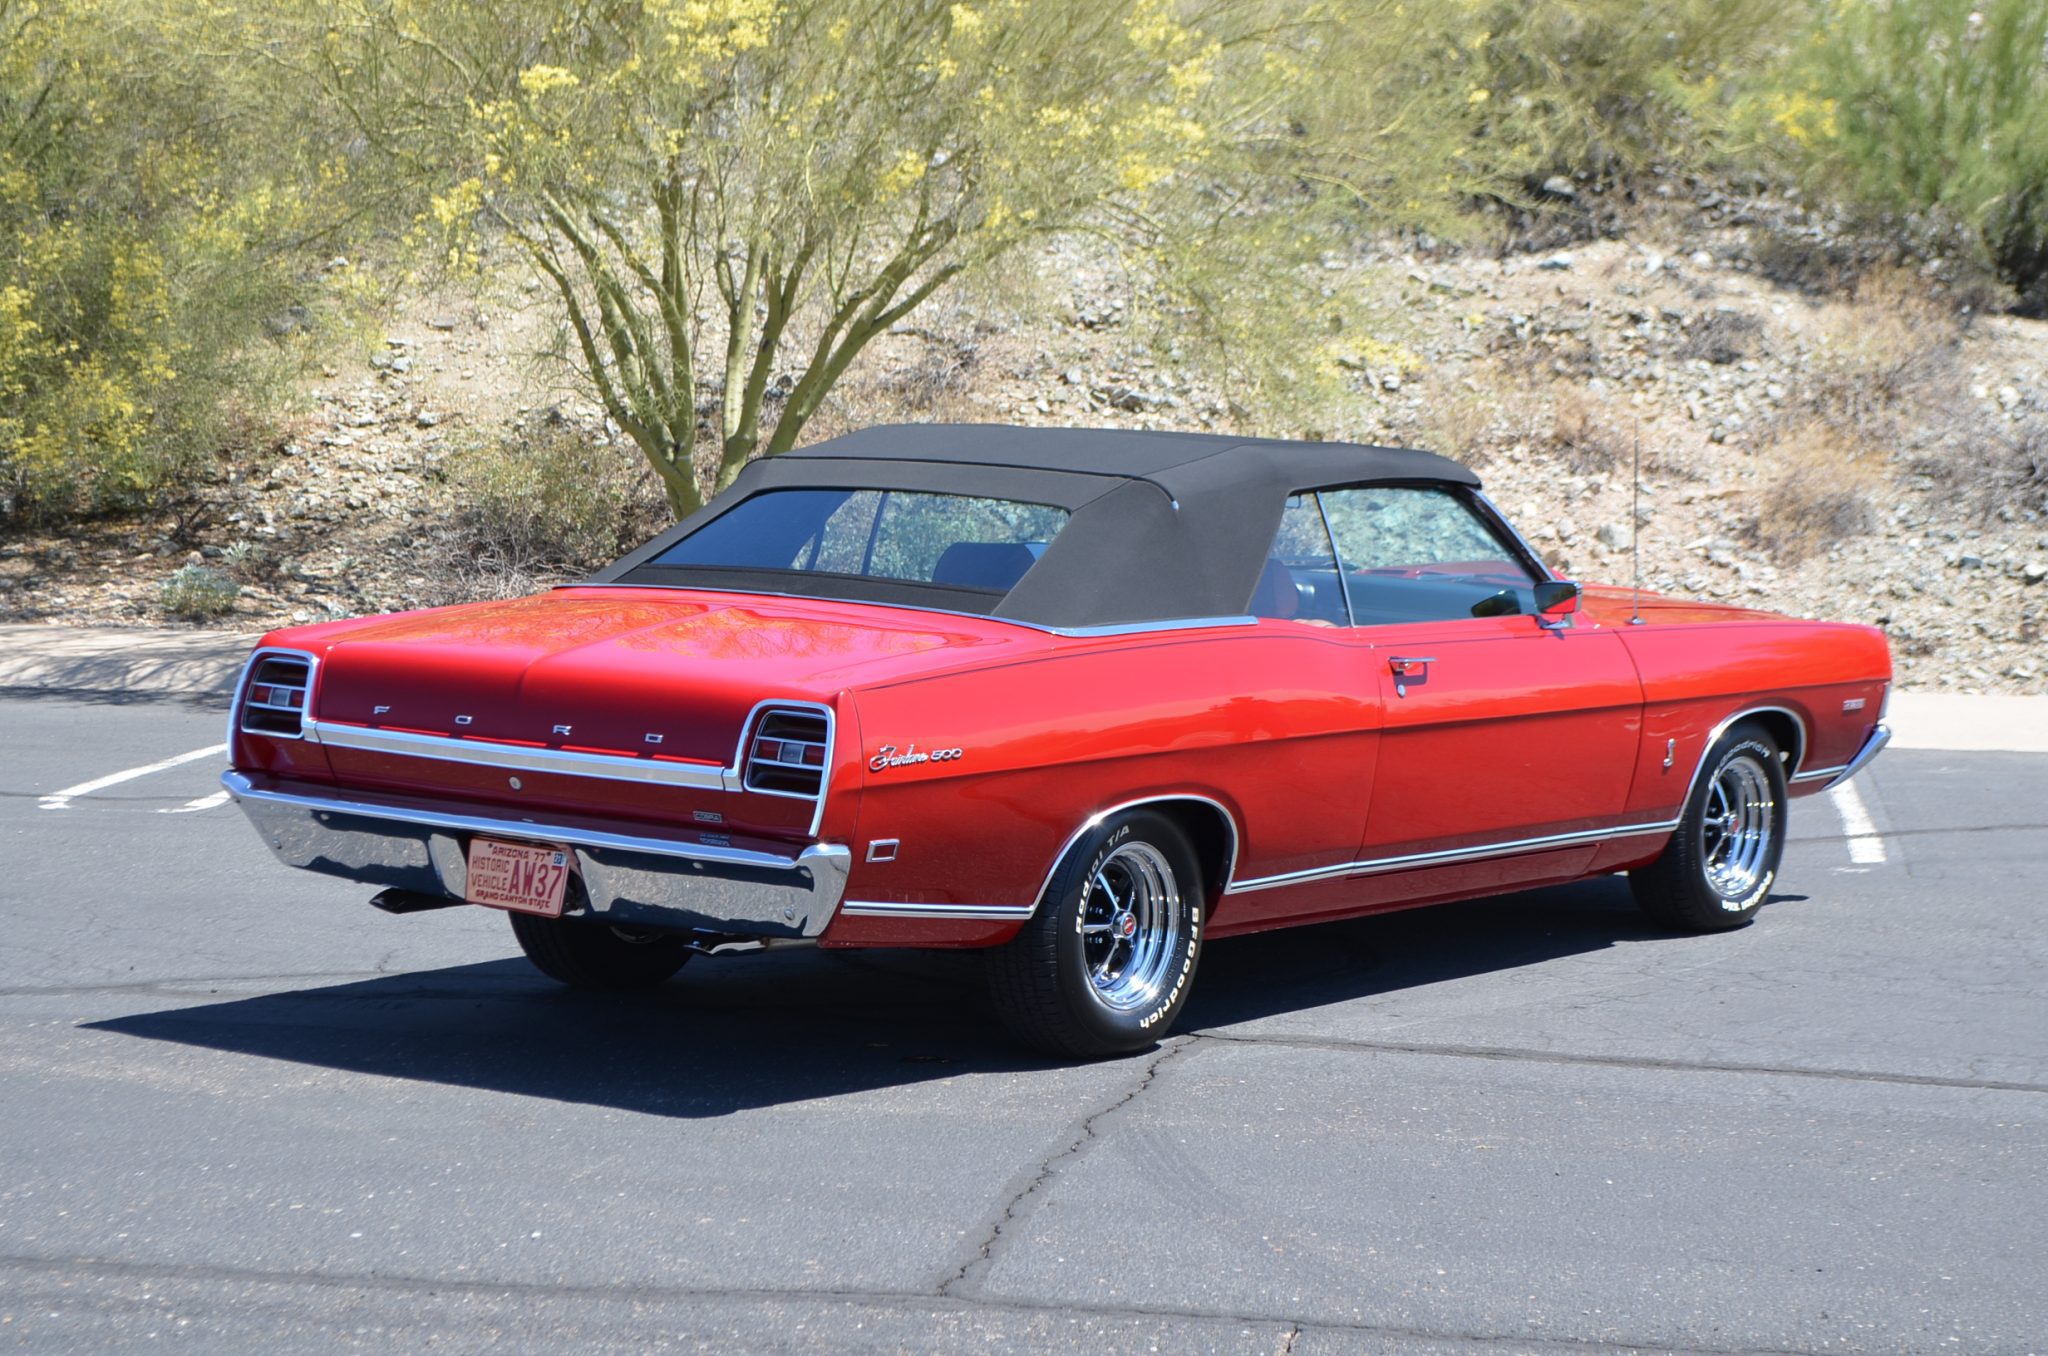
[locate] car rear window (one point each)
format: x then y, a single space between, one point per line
950 541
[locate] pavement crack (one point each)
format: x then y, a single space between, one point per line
1514 1055
75 1271
1024 1200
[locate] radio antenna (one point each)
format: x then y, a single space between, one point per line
1635 526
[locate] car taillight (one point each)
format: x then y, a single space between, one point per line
274 698
787 755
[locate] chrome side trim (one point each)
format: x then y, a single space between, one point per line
604 766
486 753
1144 628
256 657
1817 774
871 909
1714 737
1373 866
242 788
1110 629
1094 820
1880 735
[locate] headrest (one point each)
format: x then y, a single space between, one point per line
995 566
1276 594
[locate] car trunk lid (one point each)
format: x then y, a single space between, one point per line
625 701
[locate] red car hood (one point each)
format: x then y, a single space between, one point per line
616 665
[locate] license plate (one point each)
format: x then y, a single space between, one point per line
525 877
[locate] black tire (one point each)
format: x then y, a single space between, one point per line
1721 863
592 955
1086 977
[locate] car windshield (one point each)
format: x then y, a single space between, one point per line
977 547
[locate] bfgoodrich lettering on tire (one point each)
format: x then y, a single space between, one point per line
1105 964
1720 864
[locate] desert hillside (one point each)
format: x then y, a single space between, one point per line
1870 451
309 310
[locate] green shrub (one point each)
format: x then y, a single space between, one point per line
146 198
1608 87
1932 115
198 592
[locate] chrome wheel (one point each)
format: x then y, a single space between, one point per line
1717 869
1737 828
1130 921
1105 964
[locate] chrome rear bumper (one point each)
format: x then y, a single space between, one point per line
393 841
1880 736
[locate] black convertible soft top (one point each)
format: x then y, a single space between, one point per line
1164 526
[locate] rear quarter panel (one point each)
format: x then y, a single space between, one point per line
1696 675
1279 728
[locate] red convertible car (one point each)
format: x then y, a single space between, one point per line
1087 699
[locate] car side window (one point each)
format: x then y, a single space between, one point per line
1300 581
842 542
1410 553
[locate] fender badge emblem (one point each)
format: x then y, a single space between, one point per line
562 730
464 720
887 757
654 739
380 710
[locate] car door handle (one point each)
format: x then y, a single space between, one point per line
1405 667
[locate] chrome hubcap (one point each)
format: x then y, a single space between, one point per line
1736 830
1130 921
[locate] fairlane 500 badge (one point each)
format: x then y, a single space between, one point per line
888 757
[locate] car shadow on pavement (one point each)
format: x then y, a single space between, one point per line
107 696
763 1030
1294 969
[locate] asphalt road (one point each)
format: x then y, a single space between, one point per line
241 1111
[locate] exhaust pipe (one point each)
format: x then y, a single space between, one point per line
412 901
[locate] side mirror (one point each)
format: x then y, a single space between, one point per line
1556 601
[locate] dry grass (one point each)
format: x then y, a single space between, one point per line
944 367
1825 490
1723 337
1464 422
1889 343
537 506
1889 368
1588 434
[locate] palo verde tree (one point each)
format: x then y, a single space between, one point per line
722 193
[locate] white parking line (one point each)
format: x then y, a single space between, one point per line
61 800
1866 848
203 803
